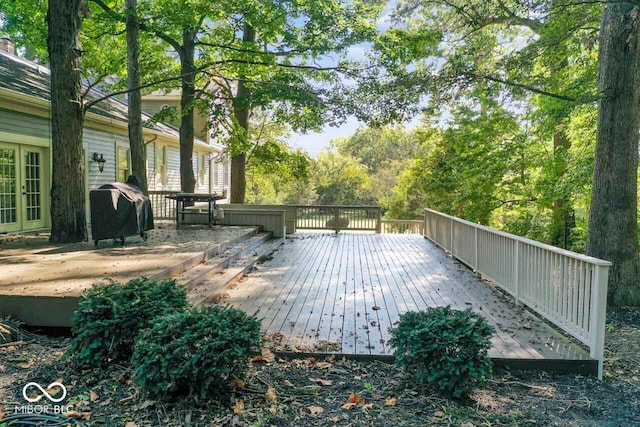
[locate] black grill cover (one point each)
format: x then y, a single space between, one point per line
119 210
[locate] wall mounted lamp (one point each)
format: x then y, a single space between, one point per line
100 160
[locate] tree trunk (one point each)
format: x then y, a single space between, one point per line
134 97
187 99
563 216
613 233
68 216
241 112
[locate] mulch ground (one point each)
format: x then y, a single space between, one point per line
309 392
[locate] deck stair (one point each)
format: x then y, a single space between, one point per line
207 281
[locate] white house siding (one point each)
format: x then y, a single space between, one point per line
151 165
24 124
221 176
173 169
201 187
102 143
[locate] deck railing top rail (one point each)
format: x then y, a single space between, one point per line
339 206
567 288
564 252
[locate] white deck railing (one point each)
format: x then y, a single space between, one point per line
567 288
402 226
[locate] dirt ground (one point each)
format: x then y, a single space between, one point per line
309 392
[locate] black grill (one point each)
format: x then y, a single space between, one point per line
119 210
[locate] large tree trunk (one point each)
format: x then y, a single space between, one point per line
134 97
68 216
613 233
563 216
241 112
187 99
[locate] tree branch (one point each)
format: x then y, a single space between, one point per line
121 18
521 86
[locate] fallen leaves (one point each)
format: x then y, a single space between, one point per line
93 396
78 415
271 395
237 384
315 410
323 365
321 381
267 357
238 407
131 424
527 326
354 400
271 398
390 401
26 365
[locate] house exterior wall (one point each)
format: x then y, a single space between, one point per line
154 105
24 124
22 129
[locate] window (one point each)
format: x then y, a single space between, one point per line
225 176
202 162
124 164
215 172
161 165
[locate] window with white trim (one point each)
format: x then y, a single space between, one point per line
124 164
202 168
215 172
161 165
225 176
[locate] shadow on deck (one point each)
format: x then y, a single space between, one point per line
340 293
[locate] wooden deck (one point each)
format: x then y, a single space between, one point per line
327 292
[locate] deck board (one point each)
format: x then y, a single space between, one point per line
346 291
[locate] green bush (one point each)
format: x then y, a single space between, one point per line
444 348
197 352
110 316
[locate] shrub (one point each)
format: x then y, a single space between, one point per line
445 348
197 352
110 316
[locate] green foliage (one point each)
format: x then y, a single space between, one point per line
110 315
444 348
196 352
341 180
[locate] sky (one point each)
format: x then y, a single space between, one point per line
314 142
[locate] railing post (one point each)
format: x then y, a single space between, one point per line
475 250
598 314
378 220
424 230
451 237
516 273
336 219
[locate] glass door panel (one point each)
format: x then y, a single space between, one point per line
9 180
32 188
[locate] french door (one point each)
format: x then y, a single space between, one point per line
23 183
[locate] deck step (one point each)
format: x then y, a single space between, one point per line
212 289
212 252
201 272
